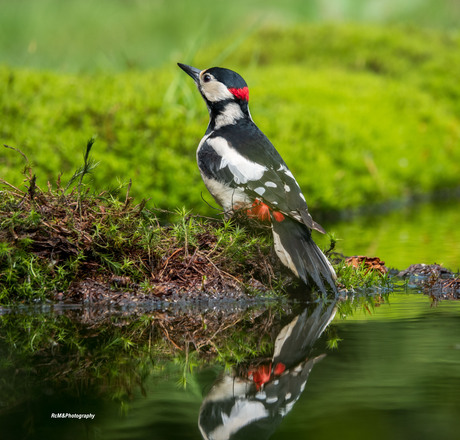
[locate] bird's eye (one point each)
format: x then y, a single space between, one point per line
207 77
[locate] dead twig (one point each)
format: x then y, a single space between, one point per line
18 193
220 271
167 261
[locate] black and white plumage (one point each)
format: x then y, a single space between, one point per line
242 170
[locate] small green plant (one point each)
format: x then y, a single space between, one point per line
360 278
88 166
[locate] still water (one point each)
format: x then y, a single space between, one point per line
423 233
369 366
372 367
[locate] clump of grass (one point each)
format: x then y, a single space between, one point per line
53 244
52 241
360 278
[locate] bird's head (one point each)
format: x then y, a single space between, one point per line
219 87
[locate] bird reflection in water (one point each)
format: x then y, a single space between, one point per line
252 402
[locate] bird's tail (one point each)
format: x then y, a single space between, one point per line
297 250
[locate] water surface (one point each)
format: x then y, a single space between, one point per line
421 233
383 368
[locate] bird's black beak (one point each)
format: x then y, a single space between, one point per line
192 71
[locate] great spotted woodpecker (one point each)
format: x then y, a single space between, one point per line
243 171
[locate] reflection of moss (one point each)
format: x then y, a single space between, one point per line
115 353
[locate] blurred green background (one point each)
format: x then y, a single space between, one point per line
115 35
360 97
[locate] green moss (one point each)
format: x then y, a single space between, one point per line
361 114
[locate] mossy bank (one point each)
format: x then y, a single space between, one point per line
68 243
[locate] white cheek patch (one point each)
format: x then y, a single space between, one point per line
215 91
242 169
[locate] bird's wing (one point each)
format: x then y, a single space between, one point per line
278 189
252 164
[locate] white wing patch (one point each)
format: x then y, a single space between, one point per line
270 184
260 190
288 173
243 169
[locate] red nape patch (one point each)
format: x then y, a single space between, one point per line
242 93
